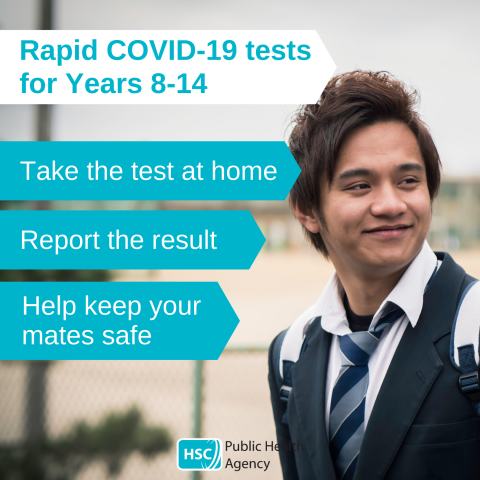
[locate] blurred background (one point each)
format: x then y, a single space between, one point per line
89 420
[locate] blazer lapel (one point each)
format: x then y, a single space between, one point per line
398 401
403 389
309 376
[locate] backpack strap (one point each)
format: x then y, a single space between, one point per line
284 388
287 349
276 357
464 343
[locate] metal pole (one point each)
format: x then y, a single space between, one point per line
197 405
35 415
44 112
46 15
36 400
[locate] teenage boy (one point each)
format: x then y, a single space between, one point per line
373 394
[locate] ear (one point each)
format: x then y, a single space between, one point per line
307 218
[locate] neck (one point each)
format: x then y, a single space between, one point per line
366 293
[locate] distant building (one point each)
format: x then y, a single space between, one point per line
456 214
455 221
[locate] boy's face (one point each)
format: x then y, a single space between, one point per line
377 210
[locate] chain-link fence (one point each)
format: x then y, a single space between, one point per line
226 399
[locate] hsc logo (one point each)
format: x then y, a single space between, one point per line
199 454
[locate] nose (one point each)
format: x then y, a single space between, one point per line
388 201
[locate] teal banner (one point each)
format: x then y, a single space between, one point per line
114 321
146 171
105 240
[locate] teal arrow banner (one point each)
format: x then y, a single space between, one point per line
114 321
146 171
105 240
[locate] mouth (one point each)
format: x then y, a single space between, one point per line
388 231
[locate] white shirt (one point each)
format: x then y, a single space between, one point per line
407 294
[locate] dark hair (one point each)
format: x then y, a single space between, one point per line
351 100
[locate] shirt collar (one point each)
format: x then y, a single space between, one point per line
407 294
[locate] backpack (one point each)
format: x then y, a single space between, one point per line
290 345
464 343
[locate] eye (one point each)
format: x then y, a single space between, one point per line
409 181
360 186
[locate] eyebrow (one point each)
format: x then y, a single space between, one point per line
354 172
357 172
406 167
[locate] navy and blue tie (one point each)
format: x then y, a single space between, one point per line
347 410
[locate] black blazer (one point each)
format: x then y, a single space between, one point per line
421 425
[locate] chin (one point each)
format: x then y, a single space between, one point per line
388 257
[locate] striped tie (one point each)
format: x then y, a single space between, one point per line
347 410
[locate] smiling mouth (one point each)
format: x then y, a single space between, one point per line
389 232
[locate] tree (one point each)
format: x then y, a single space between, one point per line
112 440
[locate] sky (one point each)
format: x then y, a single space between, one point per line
431 45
